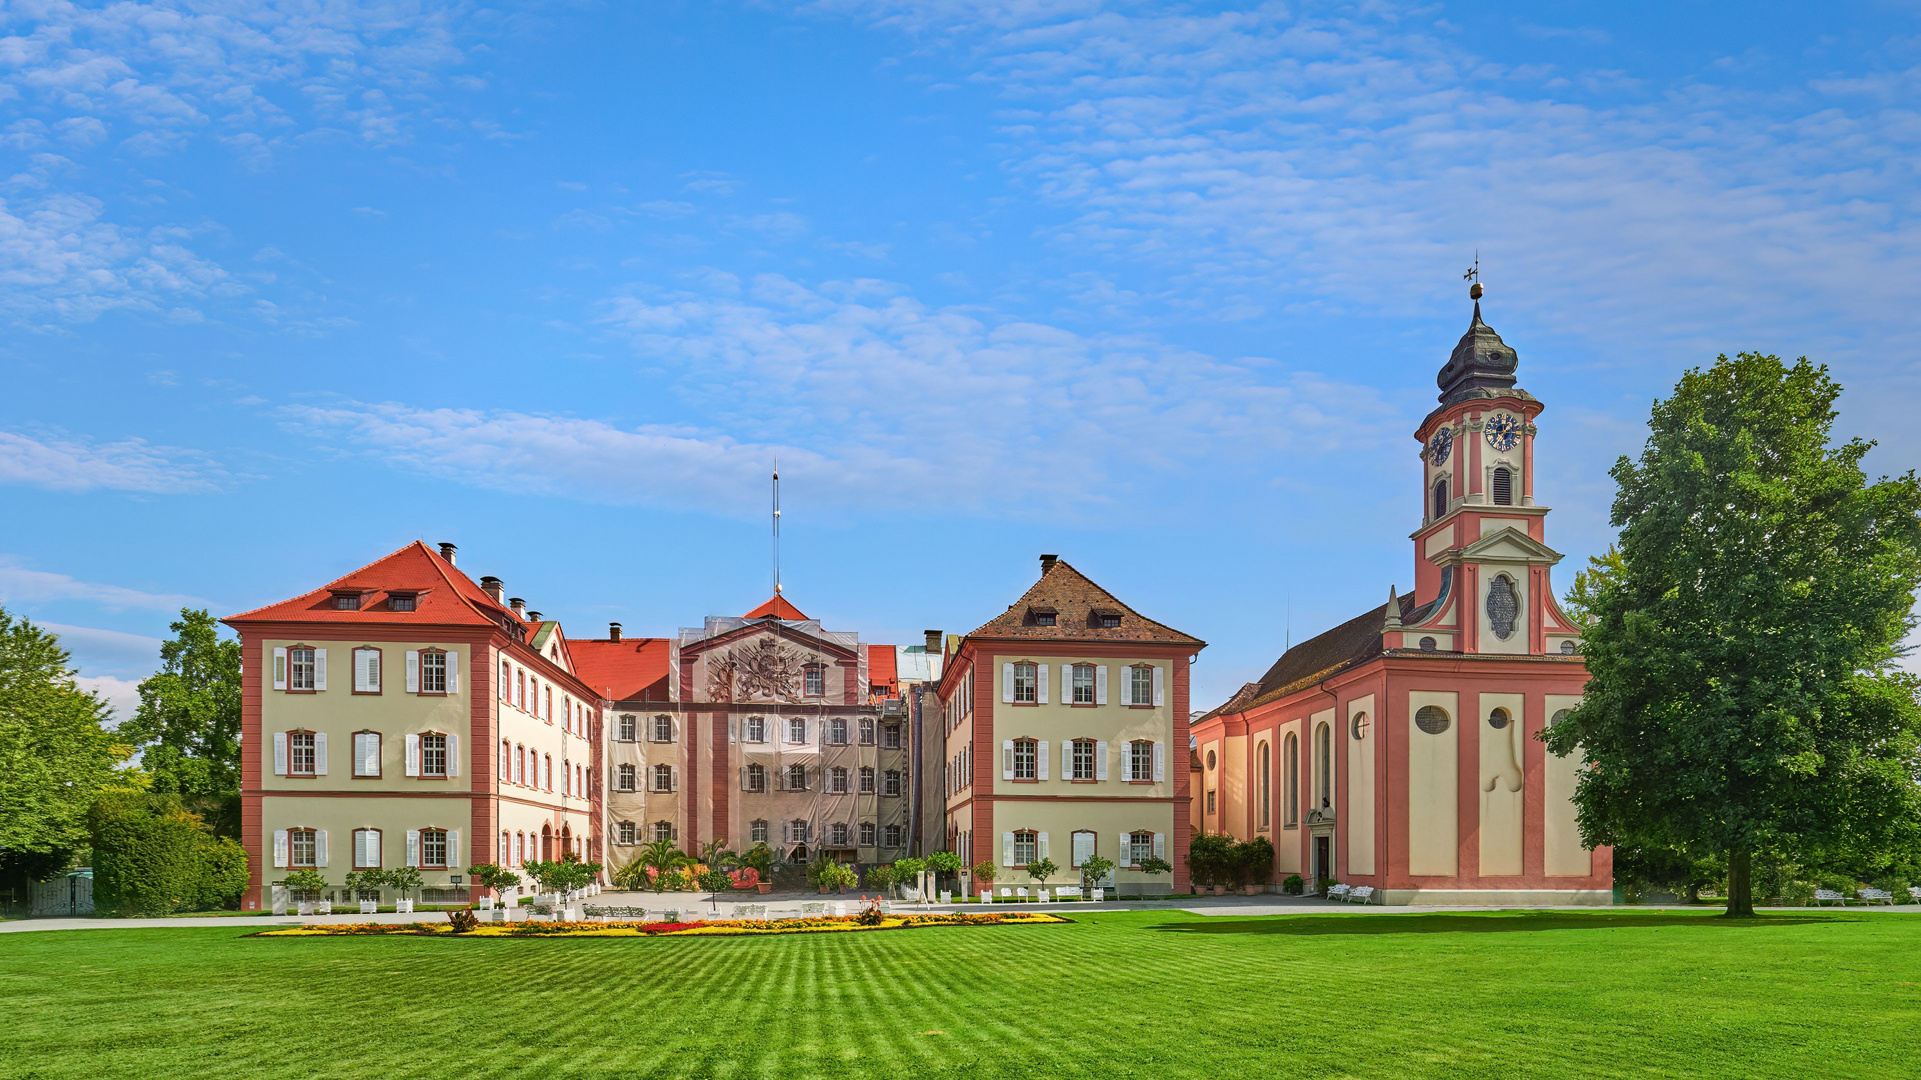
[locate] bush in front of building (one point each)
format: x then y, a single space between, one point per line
1210 860
153 857
1254 862
1293 885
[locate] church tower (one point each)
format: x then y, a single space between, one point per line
1481 560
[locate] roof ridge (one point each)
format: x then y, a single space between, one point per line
356 570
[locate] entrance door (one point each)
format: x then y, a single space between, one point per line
1323 858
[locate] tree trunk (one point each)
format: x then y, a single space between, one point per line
1740 885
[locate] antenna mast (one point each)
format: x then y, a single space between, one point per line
777 526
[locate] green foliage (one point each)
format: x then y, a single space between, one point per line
984 871
1292 885
307 882
1042 869
1578 604
187 726
715 854
1668 870
663 858
945 862
405 880
1742 697
56 755
716 881
1254 861
492 876
1151 865
1093 869
910 869
832 875
881 877
760 858
1210 859
153 857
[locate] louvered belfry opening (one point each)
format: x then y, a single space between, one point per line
1503 488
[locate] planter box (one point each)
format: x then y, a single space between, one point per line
369 907
303 907
324 907
486 903
403 906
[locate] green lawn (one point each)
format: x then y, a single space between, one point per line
1149 994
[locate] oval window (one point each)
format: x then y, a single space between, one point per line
1497 719
1432 719
1210 759
1555 720
1361 724
1427 644
1568 647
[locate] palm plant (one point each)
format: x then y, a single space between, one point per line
663 858
716 856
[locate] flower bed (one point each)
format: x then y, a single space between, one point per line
719 928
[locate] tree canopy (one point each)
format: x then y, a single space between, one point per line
56 752
1743 696
187 726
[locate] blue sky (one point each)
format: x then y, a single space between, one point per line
1160 288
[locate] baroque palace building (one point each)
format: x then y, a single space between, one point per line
1061 718
403 715
1399 749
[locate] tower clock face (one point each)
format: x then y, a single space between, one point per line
1438 449
1503 431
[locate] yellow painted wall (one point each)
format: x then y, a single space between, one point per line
1059 819
339 712
1112 723
1287 841
1501 785
1235 819
1562 837
1433 825
1358 815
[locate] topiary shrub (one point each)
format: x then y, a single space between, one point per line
151 857
1293 885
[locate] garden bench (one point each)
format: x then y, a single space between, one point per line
1360 894
1828 896
1337 892
813 909
1020 893
1067 893
1877 896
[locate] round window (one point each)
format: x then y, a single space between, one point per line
1361 724
1432 719
1427 644
1568 647
1497 719
1210 759
1555 720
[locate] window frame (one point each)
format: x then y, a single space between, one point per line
353 744
424 654
1027 680
866 726
656 724
626 777
625 833
792 770
403 601
380 670
1075 687
627 729
654 778
293 667
426 863
869 834
757 831
293 754
1032 839
814 680
890 737
424 774
893 836
380 848
1072 863
312 838
837 731
837 780
1032 747
868 782
1140 752
756 778
755 730
1092 747
1140 677
890 784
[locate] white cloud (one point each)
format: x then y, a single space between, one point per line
21 585
113 650
60 259
122 695
68 464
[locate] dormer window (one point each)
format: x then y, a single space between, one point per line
400 601
1104 619
347 601
1042 616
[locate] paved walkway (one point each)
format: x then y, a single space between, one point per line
790 903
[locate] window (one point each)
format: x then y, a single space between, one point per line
663 778
520 848
1440 499
757 832
1140 848
867 730
1428 644
663 830
1361 724
433 756
346 601
1083 683
1567 647
1498 719
1503 488
302 847
1026 843
629 727
367 670
1107 620
796 730
866 779
300 668
1291 782
756 778
890 782
1210 800
433 672
626 832
837 834
866 834
894 836
816 680
797 831
1432 719
837 781
367 753
300 753
433 848
837 732
1084 846
547 703
520 688
624 778
506 760
663 729
1324 766
1081 765
1026 683
1044 616
796 778
400 601
1263 782
890 737
1140 761
1141 682
1026 759
757 729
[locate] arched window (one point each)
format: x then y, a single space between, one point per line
506 848
1264 785
1440 498
1324 766
1291 781
1503 487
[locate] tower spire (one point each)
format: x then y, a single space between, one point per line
777 525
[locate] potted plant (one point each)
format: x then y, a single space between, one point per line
1292 885
1094 870
761 860
984 878
821 875
1040 871
914 870
944 864
304 887
1151 865
882 878
715 882
405 881
662 858
1210 860
1255 860
363 886
495 879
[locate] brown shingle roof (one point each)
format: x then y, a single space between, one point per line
1356 640
1074 598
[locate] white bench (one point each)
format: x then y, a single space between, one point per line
1828 896
1877 896
1338 892
1066 892
1008 894
1360 894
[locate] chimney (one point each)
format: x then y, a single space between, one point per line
533 616
493 587
934 644
1047 562
613 631
447 552
519 606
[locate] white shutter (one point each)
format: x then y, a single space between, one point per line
1067 759
280 847
1040 684
413 758
1040 852
363 671
1007 682
1160 845
1159 695
280 755
1100 684
320 847
320 669
413 847
413 671
366 753
453 848
363 839
1007 849
1040 759
1100 760
453 673
1007 759
320 753
1127 683
280 670
1123 852
453 757
1160 761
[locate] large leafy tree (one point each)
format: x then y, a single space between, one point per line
188 724
1742 695
56 753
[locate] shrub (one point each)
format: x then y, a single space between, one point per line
944 862
984 872
1894 883
881 877
1797 893
304 882
1093 869
1254 861
1210 859
1293 886
1042 869
223 872
151 857
463 920
1155 866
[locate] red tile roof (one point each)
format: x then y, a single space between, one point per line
624 670
1073 598
443 596
880 666
778 606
